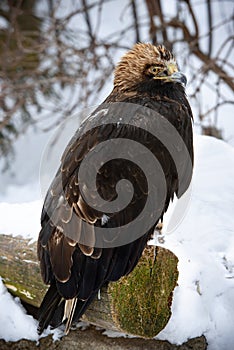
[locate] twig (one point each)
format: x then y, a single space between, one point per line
135 18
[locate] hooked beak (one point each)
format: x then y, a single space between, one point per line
178 77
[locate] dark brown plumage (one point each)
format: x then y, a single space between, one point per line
146 76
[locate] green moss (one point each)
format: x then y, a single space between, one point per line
141 302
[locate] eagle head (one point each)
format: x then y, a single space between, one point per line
145 66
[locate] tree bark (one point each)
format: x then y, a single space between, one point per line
91 338
138 304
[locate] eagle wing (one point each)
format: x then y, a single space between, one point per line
79 270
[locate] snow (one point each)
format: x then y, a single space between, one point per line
15 324
203 241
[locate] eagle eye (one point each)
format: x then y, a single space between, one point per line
154 70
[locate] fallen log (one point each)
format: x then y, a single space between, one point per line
138 304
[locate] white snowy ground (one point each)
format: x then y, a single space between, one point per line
203 302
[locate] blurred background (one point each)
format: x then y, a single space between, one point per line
57 58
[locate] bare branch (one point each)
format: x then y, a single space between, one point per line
135 18
210 64
88 22
190 8
209 19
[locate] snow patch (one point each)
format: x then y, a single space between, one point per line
203 302
15 324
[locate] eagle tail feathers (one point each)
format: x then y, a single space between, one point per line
46 312
55 310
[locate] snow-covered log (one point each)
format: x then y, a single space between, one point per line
138 304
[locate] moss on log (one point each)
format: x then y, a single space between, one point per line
138 304
141 302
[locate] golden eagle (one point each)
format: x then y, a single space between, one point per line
147 106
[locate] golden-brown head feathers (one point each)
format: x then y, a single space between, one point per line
131 69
